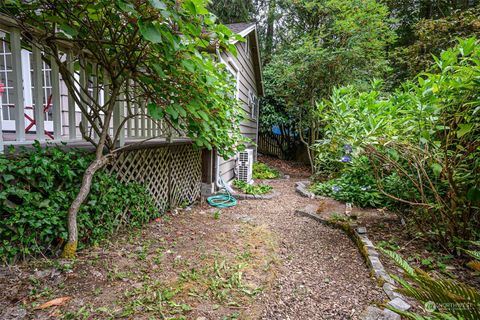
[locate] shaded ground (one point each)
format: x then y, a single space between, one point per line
294 168
255 261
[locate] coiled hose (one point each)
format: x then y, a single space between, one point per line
224 200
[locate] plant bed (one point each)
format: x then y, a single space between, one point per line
262 171
245 191
386 230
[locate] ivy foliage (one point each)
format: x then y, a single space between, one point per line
36 189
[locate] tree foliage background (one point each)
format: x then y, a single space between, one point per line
311 46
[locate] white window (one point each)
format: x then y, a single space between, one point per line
6 78
247 46
235 71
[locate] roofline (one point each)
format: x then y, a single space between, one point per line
260 66
245 33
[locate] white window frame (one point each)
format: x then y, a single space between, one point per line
253 103
9 125
232 67
247 46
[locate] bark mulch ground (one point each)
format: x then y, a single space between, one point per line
255 261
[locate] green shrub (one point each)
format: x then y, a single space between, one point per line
356 184
36 189
252 188
263 171
421 141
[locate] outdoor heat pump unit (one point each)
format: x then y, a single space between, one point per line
245 165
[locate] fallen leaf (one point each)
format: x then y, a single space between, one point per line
54 302
474 265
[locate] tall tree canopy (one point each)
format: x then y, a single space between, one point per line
320 45
233 11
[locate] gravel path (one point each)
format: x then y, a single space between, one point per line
322 275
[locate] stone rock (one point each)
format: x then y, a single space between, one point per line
40 274
399 304
244 218
374 313
372 253
361 230
201 318
310 209
390 315
389 290
301 188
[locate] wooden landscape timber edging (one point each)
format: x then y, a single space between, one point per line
366 248
170 173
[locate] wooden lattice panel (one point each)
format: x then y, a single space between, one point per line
186 175
171 174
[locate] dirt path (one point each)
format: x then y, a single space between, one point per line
255 261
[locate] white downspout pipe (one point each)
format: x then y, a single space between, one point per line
219 183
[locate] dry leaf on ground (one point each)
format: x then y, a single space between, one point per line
54 302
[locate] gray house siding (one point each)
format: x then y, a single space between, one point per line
246 83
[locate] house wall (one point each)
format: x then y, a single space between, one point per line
246 82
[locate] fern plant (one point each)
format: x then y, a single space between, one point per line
475 254
444 298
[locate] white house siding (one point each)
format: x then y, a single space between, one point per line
246 82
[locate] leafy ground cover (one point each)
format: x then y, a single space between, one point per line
252 188
36 189
294 168
263 171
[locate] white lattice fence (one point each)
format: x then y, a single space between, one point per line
171 174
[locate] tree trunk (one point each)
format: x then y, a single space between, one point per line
71 246
302 139
270 30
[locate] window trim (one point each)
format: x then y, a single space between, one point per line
233 68
247 47
253 103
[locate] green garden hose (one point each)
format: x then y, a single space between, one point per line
224 200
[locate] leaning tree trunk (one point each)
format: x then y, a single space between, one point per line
70 247
302 139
